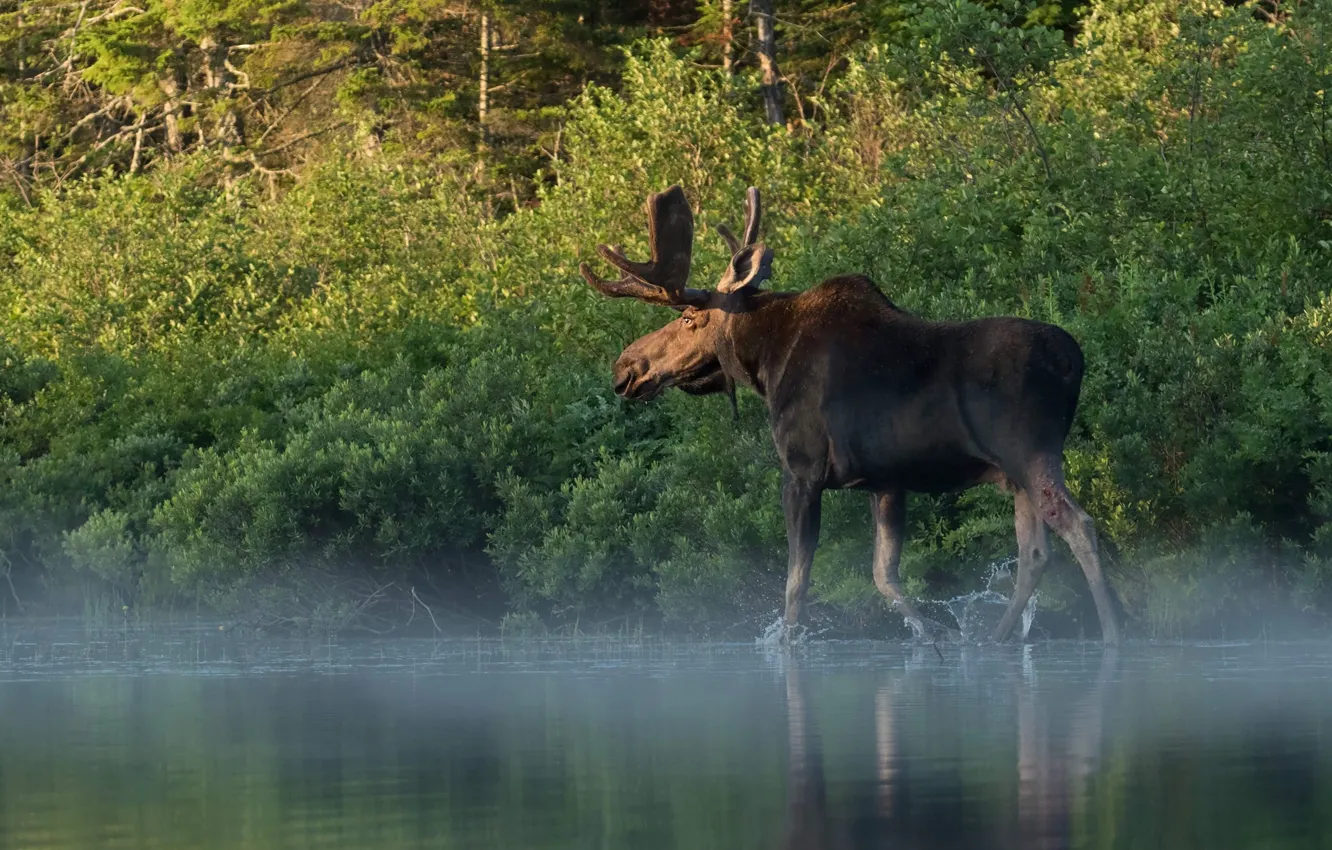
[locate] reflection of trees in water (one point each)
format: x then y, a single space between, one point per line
1058 749
940 755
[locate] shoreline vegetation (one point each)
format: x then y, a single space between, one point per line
313 353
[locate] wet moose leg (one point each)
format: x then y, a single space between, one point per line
1056 507
889 510
802 503
1033 540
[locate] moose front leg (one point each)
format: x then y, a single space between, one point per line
803 503
889 509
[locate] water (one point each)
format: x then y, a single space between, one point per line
196 739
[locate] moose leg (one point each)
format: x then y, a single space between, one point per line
1033 542
889 535
1055 505
803 503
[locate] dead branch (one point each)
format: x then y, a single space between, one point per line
302 138
290 109
114 12
119 135
416 599
316 72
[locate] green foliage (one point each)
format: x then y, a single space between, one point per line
210 391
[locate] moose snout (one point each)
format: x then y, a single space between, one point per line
624 375
630 378
622 382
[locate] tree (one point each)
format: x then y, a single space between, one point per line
767 54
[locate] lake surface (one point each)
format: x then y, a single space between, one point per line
196 740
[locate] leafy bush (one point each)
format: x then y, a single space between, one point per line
208 391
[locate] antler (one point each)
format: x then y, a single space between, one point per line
751 261
753 216
662 280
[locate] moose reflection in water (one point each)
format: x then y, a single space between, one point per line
1055 762
862 394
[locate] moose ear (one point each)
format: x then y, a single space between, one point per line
751 266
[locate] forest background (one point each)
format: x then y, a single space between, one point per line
291 329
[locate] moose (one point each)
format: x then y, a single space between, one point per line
863 394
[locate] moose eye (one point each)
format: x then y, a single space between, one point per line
688 320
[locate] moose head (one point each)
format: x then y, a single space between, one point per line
684 353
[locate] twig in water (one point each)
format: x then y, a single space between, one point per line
9 577
416 598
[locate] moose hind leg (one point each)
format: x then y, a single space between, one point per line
1033 541
1057 508
802 504
889 536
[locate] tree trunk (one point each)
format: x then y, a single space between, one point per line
173 86
767 53
136 161
230 130
483 100
726 35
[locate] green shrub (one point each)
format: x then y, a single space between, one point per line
210 393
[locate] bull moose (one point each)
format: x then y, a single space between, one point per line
863 394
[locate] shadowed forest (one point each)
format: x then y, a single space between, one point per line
293 331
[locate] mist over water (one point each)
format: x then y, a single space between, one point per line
197 739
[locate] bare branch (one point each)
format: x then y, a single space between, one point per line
316 72
243 79
73 34
114 12
302 138
290 109
433 622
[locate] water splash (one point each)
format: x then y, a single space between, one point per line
775 634
1029 614
976 613
979 611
